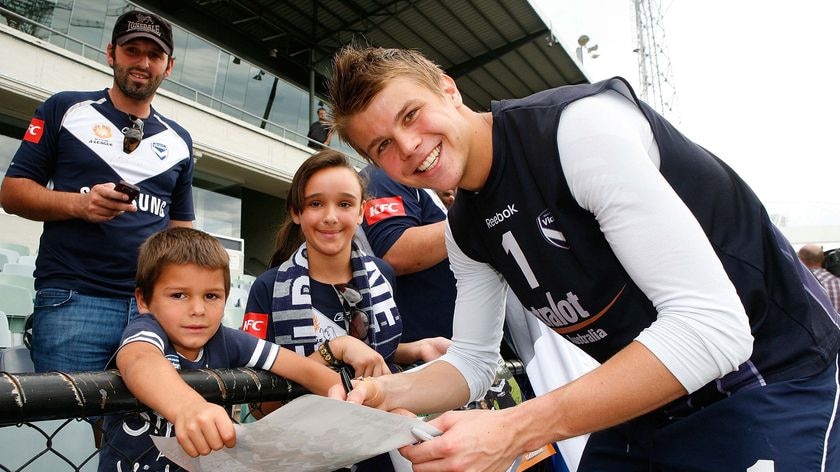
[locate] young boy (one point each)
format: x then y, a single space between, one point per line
182 283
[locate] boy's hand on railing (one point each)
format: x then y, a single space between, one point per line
202 427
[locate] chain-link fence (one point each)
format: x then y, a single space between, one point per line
53 422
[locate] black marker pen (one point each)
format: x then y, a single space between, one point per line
344 372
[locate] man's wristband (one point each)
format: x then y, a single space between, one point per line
326 353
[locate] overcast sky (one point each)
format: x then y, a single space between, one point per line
755 82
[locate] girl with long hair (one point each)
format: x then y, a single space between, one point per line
324 297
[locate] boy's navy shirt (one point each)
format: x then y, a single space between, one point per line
127 444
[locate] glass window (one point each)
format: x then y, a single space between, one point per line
199 61
216 213
291 108
60 22
224 62
114 10
258 89
179 43
236 84
87 23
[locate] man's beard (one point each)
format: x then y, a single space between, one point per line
132 89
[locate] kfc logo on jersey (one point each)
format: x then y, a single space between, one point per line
35 131
549 230
383 208
255 324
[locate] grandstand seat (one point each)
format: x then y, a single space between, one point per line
6 256
25 281
233 317
235 307
238 298
245 281
19 269
16 360
28 260
15 300
20 249
5 334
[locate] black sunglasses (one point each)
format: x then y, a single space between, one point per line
356 321
132 135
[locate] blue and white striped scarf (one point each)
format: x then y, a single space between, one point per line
291 307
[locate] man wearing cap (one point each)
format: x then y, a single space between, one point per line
76 148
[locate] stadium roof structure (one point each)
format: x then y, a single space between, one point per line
494 49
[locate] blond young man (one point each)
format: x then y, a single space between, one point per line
619 233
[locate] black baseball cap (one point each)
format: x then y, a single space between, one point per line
141 24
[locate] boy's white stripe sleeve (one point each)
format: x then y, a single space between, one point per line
147 337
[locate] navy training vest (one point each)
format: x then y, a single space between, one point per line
526 224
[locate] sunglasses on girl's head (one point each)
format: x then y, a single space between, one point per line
356 321
133 134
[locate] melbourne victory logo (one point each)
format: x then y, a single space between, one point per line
545 221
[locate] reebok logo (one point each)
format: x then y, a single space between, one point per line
380 209
501 216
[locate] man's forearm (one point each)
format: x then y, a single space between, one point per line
417 249
31 200
433 388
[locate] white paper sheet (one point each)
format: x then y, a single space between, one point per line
309 434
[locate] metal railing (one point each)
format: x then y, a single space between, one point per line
56 395
47 420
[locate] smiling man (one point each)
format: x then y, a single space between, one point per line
78 146
718 349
